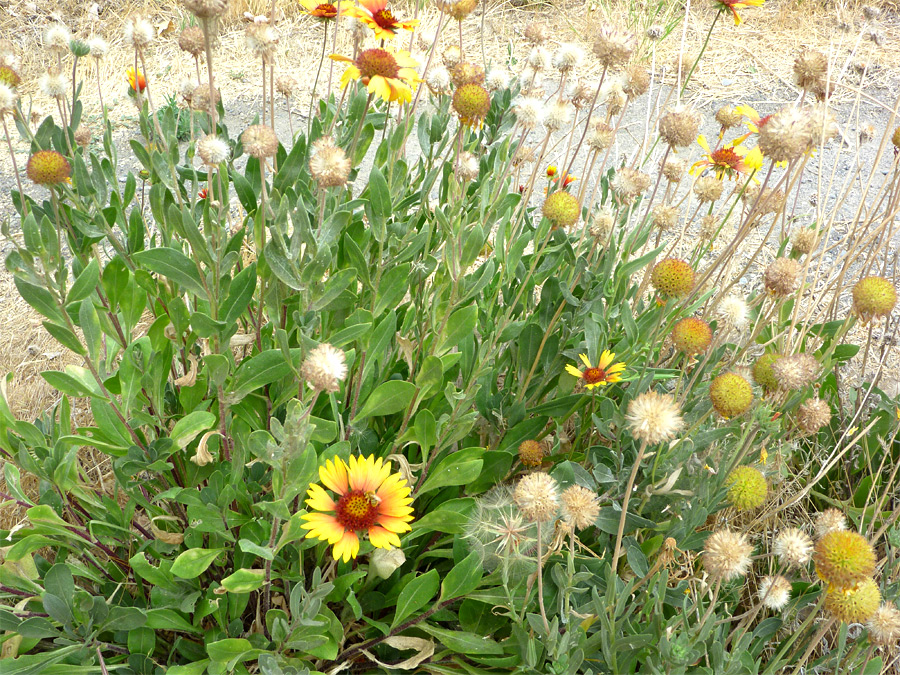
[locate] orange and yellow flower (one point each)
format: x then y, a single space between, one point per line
376 15
369 499
728 160
735 5
553 175
605 372
754 121
136 80
320 10
388 75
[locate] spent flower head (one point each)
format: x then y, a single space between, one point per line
793 547
580 506
774 592
537 496
324 368
654 418
726 555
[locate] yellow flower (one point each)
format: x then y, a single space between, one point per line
370 499
605 372
388 75
321 10
730 159
735 5
376 15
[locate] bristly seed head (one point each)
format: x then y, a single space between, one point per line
726 555
537 496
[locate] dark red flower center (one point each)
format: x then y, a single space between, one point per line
762 122
325 10
726 157
376 61
356 510
594 375
384 19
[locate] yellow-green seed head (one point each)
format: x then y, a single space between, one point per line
48 167
844 558
471 102
562 209
672 277
731 395
466 73
762 371
747 488
531 453
691 335
9 77
873 297
854 604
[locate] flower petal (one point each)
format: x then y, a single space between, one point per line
333 475
584 360
572 370
382 538
318 499
701 141
394 524
347 547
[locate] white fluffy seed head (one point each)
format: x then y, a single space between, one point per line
213 150
567 56
324 368
539 58
139 32
733 312
52 84
830 520
57 38
529 111
438 79
467 168
497 78
558 115
653 417
726 555
537 496
98 47
793 547
7 99
774 592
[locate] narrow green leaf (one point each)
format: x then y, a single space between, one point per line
172 264
415 595
85 284
463 578
390 397
193 562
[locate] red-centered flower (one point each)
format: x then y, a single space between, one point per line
376 15
324 10
388 75
369 500
754 121
735 5
202 193
605 372
136 80
728 160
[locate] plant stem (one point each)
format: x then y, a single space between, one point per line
630 485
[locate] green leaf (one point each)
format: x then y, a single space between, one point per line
391 289
415 595
229 649
264 552
154 575
462 642
40 299
193 562
390 397
196 668
244 581
240 293
458 468
460 325
190 426
76 381
169 619
379 202
172 264
464 578
65 337
260 370
85 284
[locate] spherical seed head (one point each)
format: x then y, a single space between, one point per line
602 225
471 102
98 47
812 415
782 277
9 77
497 78
213 150
884 626
672 277
531 453
614 47
539 58
190 40
601 136
731 395
804 240
733 312
615 98
48 167
830 520
466 73
873 297
206 9
261 39
855 603
451 56
558 115
709 226
726 555
529 111
438 79
795 371
561 209
285 84
82 135
793 547
201 100
139 32
665 216
52 84
260 141
653 417
774 592
567 56
537 496
580 506
810 70
629 183
691 335
329 164
460 9
655 32
786 135
637 80
8 99
747 488
708 188
728 117
762 371
674 169
467 167
536 33
324 368
679 126
844 558
57 38
770 201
